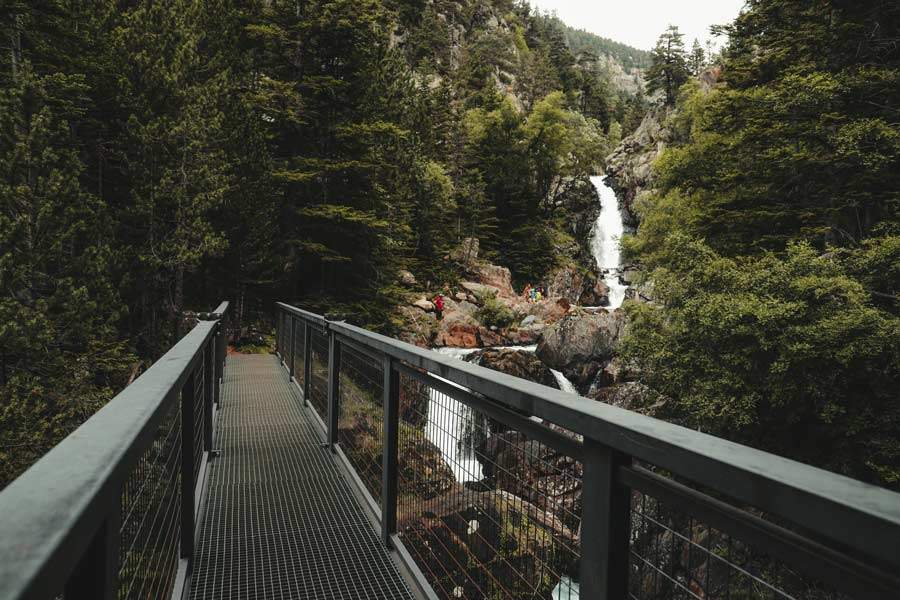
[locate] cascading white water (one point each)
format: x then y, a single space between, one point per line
563 382
605 240
447 422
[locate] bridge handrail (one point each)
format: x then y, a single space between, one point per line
826 516
53 516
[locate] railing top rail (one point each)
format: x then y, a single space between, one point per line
50 513
303 314
859 516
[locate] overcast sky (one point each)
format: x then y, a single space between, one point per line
639 22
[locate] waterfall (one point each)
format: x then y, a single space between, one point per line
605 240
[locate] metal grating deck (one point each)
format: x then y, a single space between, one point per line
279 519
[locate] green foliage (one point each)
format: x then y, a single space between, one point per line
493 313
771 244
780 353
581 41
61 357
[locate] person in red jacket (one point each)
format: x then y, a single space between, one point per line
439 307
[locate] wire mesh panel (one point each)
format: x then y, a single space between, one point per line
151 524
318 371
199 421
675 556
361 416
299 349
485 511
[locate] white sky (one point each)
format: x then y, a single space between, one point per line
639 22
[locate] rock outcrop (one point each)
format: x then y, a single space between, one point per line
631 395
581 343
629 169
517 363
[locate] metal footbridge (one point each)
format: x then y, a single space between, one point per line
350 465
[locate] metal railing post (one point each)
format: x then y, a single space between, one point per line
96 576
334 382
307 362
605 524
389 451
210 387
187 467
293 344
221 344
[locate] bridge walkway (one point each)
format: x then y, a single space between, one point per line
278 518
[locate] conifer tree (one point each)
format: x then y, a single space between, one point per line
697 58
669 68
61 353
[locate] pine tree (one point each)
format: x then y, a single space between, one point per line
697 58
173 158
669 68
62 357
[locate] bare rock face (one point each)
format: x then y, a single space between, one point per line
458 334
566 283
596 295
493 276
407 279
581 343
517 363
629 168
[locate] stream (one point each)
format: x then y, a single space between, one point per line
451 425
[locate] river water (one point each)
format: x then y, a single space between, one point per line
451 425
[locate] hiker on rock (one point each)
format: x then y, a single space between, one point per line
439 306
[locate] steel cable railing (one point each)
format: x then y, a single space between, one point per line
110 511
489 486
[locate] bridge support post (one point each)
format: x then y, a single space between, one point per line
307 362
389 455
293 344
221 345
210 387
605 524
187 467
334 382
96 576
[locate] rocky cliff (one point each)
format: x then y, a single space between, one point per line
629 169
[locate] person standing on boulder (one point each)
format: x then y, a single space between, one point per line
439 306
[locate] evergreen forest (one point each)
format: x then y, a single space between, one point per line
158 157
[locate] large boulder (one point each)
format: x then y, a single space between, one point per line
488 544
567 283
423 305
546 311
518 363
458 334
408 279
596 294
534 471
493 276
581 343
479 290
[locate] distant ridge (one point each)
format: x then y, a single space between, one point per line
580 40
